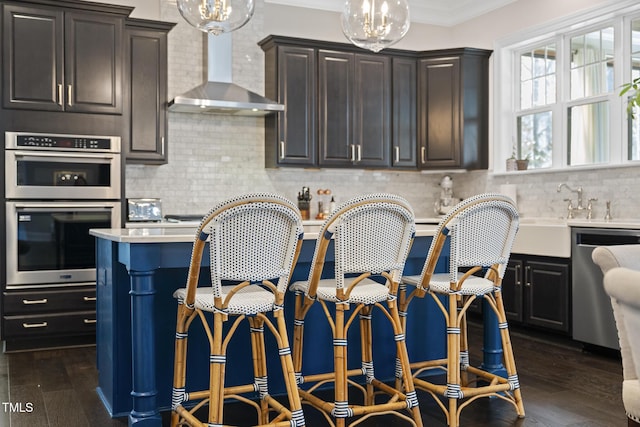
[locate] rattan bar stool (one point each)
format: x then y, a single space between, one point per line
254 241
372 235
481 231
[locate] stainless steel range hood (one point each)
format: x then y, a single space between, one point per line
219 95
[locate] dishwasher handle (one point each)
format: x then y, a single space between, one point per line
588 239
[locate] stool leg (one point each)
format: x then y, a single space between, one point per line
179 366
366 339
216 372
341 410
453 360
302 305
403 357
258 351
403 305
295 404
509 359
464 350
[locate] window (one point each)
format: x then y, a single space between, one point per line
562 108
634 125
591 75
537 95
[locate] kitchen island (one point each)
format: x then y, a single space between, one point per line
137 272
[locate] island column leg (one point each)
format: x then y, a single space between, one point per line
492 343
143 351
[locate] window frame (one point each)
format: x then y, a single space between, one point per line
507 85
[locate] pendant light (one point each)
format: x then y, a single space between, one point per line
216 16
375 24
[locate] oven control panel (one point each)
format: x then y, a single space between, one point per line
74 142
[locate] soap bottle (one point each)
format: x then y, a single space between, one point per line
332 205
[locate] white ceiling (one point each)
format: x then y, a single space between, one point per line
436 12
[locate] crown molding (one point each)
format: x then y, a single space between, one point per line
444 13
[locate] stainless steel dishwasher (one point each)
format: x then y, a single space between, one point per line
593 321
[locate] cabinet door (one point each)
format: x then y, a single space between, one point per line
297 91
512 290
335 117
547 295
404 132
93 63
372 110
147 72
33 58
440 113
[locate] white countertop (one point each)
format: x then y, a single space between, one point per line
193 224
536 236
172 234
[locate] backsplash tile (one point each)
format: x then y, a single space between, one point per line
538 196
213 157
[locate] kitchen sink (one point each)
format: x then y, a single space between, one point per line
543 236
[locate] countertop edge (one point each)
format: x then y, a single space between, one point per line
187 234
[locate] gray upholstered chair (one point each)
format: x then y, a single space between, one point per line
610 258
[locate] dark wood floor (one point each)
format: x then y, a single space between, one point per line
562 385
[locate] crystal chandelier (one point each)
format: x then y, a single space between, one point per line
216 16
375 25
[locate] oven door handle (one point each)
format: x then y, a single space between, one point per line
63 156
50 206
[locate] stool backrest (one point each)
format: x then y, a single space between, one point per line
481 229
253 237
371 233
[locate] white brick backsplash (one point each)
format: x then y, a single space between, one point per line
213 157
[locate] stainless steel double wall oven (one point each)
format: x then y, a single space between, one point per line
57 187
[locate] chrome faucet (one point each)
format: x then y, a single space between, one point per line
580 206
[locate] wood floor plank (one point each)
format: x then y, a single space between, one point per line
63 410
562 386
23 395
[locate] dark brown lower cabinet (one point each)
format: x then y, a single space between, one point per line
48 317
536 292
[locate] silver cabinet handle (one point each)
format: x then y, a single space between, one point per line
89 321
359 152
527 278
59 100
69 93
281 150
353 152
34 301
423 154
162 146
34 325
396 151
518 281
88 298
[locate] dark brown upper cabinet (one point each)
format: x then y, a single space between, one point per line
62 60
345 107
404 113
453 91
354 109
146 105
291 136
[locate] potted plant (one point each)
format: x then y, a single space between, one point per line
633 88
511 161
522 164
